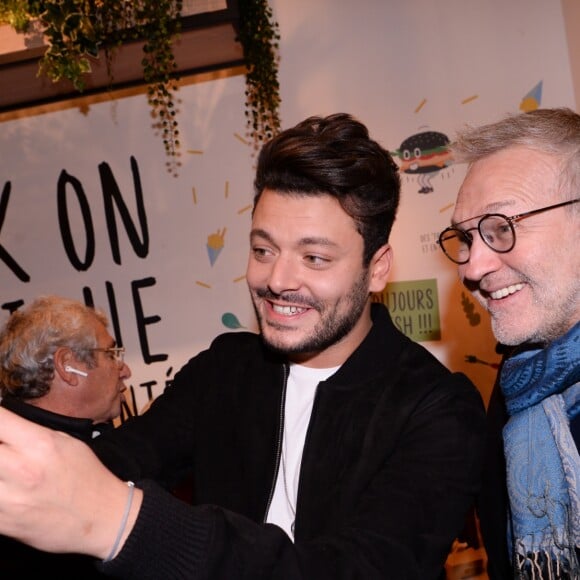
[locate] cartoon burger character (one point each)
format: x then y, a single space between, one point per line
425 154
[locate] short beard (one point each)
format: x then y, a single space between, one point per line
330 330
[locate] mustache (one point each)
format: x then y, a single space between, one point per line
290 297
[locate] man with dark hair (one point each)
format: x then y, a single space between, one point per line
327 446
516 239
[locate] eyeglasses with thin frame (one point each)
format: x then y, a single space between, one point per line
495 229
117 353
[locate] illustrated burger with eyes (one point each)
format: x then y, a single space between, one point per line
424 154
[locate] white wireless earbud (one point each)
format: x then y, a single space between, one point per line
70 369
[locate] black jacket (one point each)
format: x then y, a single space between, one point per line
391 465
493 502
20 561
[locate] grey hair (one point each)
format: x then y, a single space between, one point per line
32 335
553 131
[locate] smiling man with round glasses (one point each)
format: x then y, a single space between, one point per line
521 259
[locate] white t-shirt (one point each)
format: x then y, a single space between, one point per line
300 391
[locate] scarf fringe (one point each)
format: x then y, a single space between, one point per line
561 565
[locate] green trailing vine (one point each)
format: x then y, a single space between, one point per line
259 35
77 30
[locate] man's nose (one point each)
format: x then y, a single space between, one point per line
284 275
125 371
482 260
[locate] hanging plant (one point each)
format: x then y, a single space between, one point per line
158 22
259 36
77 30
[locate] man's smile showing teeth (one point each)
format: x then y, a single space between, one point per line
506 291
287 310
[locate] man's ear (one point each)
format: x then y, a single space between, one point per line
64 359
379 268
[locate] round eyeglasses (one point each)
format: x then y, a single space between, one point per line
495 229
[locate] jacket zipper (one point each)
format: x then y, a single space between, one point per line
279 440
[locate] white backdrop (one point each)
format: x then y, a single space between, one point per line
178 277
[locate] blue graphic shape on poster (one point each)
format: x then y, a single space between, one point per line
230 320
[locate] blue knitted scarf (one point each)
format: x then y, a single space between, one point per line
542 392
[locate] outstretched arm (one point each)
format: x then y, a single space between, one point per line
47 477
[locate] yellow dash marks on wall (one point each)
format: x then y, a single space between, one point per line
202 284
195 151
240 278
194 195
227 189
446 207
420 105
244 209
240 138
469 99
